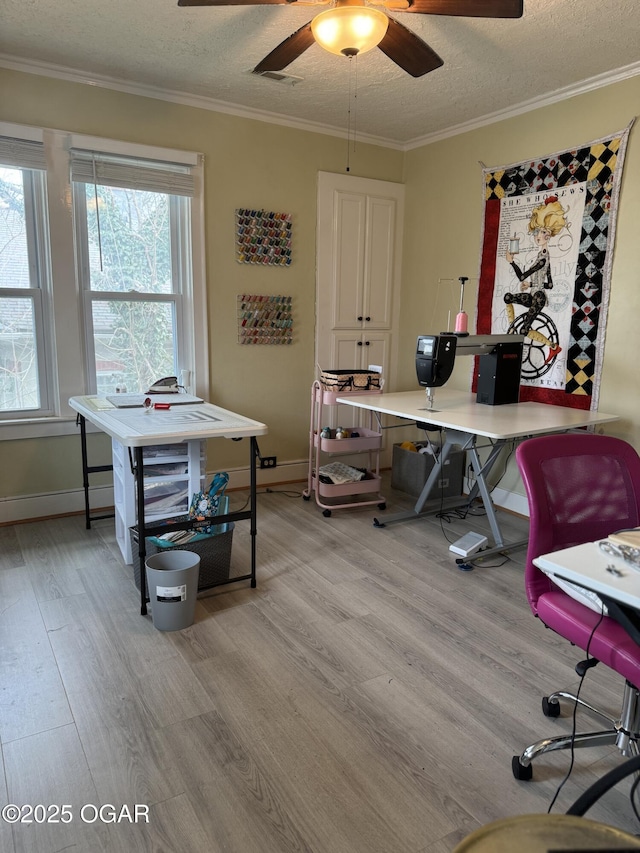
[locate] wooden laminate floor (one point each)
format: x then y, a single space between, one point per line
367 697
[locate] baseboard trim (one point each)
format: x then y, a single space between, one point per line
511 502
31 507
69 502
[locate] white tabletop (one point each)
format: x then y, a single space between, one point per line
459 410
140 428
587 564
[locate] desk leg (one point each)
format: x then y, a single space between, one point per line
89 469
142 530
480 485
85 470
253 457
466 442
452 439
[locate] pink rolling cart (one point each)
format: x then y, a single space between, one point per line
321 449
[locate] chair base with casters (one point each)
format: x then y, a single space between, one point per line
623 733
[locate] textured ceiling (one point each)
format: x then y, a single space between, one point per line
207 53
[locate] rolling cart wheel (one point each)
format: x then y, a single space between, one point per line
306 497
382 506
326 513
520 772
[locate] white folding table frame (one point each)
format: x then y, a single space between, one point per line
463 422
137 428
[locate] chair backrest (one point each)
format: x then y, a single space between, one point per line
580 487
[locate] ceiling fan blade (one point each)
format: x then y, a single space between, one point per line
287 51
469 8
408 51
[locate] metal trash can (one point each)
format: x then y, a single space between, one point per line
172 582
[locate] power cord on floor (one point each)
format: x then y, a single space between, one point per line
286 492
267 491
587 666
632 797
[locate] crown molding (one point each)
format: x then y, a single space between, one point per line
199 102
44 69
589 85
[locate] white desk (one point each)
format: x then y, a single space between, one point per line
587 564
464 421
135 428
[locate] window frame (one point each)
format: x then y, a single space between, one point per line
39 292
65 346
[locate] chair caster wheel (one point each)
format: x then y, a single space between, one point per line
382 506
306 497
520 772
550 709
326 513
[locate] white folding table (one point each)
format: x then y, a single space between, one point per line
463 422
590 566
137 428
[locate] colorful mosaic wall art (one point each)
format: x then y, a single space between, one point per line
264 320
263 237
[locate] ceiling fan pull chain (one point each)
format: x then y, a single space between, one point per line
355 102
353 79
349 117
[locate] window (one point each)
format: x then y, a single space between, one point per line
105 293
25 383
132 230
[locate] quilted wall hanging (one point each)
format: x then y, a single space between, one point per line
545 271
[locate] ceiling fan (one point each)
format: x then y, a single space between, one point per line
351 27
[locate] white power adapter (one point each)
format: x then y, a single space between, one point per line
468 544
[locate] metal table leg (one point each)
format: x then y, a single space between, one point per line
89 469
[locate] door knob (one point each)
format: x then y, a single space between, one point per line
359 343
368 319
360 319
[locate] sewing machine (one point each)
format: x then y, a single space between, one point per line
499 364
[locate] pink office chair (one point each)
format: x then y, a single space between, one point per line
581 487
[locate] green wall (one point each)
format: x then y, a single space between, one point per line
247 164
443 223
256 164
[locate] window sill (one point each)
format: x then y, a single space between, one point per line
21 428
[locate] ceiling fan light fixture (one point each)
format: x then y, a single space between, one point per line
349 30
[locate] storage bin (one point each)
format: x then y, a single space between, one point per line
213 549
350 380
410 470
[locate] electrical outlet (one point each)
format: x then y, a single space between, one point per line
268 461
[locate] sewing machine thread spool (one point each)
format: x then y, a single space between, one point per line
514 245
462 319
462 322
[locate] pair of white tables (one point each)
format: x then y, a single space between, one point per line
136 428
465 423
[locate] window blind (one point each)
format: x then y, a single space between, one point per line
114 171
21 153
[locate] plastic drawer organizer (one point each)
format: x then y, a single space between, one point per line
341 495
172 473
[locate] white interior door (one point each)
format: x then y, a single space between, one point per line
359 243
